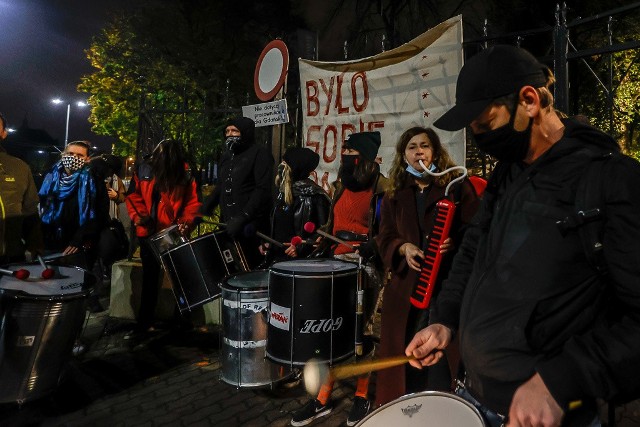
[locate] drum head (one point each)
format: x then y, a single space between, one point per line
311 267
250 280
425 409
67 281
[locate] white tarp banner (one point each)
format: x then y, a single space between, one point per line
411 85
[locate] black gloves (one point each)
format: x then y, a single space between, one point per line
235 226
368 250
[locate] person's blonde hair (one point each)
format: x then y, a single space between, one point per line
284 183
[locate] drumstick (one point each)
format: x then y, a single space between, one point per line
310 227
21 274
297 240
250 230
316 373
47 273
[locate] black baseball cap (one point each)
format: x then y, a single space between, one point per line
495 72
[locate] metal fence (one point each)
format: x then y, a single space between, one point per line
580 52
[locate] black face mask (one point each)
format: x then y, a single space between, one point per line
505 143
232 142
349 163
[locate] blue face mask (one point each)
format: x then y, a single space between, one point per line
413 171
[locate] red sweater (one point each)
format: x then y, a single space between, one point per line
351 213
182 200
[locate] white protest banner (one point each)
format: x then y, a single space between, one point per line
267 113
411 85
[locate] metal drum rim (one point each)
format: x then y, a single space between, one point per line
423 393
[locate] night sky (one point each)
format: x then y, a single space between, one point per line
42 57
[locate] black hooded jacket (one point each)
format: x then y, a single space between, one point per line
244 184
522 293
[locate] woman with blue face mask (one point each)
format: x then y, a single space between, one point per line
408 214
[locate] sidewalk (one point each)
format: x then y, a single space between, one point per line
172 378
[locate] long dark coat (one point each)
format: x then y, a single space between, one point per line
399 225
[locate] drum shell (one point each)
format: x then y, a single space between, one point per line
245 306
196 268
37 333
312 312
166 239
425 409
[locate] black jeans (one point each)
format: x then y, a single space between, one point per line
151 271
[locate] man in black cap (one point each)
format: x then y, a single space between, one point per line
244 188
547 322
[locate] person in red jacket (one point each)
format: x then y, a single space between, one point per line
164 195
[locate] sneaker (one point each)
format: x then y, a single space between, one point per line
358 411
309 412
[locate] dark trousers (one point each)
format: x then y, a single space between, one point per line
151 273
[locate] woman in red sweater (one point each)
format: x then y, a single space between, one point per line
353 219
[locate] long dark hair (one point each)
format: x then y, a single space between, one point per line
365 172
168 165
441 158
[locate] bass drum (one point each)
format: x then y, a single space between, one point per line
425 409
312 311
40 320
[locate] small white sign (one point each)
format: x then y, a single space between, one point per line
267 113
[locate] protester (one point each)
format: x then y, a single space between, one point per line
113 242
299 201
353 219
20 224
547 323
408 216
244 188
69 205
164 195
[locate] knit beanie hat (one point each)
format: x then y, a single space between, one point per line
302 162
367 143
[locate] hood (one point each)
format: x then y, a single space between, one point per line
247 127
589 135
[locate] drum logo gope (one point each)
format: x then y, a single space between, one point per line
280 316
71 286
315 326
411 410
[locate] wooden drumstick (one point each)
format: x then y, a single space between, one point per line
316 373
310 227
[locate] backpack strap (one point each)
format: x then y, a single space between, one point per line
589 215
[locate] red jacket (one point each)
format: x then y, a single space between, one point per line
177 206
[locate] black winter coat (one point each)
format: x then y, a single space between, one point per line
244 186
311 204
525 297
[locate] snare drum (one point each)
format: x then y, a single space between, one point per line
425 409
196 268
312 311
166 239
39 323
245 304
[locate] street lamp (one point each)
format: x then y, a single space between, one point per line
80 104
